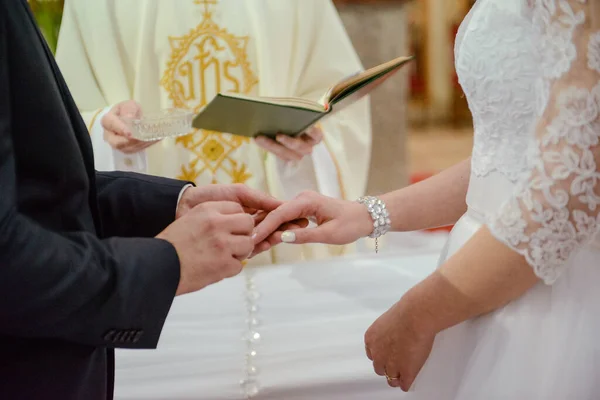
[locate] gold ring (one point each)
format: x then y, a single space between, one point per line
389 378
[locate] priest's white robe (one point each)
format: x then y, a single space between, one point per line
181 53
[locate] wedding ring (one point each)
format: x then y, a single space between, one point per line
389 378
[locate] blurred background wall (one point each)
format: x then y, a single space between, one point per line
421 119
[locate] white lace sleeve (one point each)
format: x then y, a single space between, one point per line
555 209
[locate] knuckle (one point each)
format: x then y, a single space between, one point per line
249 220
368 338
219 244
211 221
239 187
306 150
306 194
237 207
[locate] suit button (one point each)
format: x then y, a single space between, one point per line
110 335
138 335
118 336
129 336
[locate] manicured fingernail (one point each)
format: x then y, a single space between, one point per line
288 237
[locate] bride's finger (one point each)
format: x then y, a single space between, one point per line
288 212
318 234
274 238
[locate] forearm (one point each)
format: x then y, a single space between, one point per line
437 201
481 277
77 288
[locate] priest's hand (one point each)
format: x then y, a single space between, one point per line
289 148
116 132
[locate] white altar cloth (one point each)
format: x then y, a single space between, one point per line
312 320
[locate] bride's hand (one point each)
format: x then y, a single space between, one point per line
339 222
399 345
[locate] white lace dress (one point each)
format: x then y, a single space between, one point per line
531 73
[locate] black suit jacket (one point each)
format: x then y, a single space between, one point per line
80 273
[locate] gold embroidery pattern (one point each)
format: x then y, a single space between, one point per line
206 61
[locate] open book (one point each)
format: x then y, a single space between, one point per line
252 116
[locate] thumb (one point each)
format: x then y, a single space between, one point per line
130 109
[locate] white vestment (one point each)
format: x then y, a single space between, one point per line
181 53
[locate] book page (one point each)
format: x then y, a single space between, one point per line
360 78
282 101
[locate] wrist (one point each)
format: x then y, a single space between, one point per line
182 204
438 304
415 313
379 216
363 219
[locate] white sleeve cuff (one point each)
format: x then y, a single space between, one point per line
326 172
186 187
108 159
317 172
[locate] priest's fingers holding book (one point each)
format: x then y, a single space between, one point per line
290 148
338 221
116 132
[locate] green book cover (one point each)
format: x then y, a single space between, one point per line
252 116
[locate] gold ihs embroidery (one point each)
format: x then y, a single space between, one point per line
204 62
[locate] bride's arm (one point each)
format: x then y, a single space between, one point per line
555 210
436 201
552 214
483 276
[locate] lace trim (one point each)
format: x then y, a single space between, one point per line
555 207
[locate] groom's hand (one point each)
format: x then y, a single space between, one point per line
252 201
211 241
338 222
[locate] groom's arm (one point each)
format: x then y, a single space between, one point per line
136 205
69 285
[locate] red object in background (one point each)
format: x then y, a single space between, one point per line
421 176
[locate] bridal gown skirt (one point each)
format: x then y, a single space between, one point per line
543 346
308 324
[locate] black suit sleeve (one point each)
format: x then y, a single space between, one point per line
135 204
74 286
